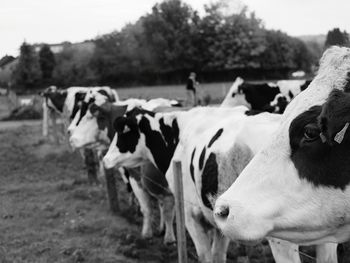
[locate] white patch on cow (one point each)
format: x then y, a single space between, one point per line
230 101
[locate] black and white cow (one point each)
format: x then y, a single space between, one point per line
67 103
271 97
206 152
298 187
96 128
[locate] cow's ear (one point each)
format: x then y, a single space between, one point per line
118 110
335 118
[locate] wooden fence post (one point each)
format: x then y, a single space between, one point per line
180 213
45 119
112 191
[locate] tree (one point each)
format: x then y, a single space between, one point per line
47 62
27 74
337 38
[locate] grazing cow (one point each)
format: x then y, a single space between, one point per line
206 153
96 128
298 187
269 97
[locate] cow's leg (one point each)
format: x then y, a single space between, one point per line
326 253
168 215
219 247
145 204
198 234
284 251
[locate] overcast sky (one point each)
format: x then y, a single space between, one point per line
54 21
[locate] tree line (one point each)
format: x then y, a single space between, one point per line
167 43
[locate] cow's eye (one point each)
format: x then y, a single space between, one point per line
311 133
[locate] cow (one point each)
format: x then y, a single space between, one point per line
67 103
297 188
271 97
206 152
95 128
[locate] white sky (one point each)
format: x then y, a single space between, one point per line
54 21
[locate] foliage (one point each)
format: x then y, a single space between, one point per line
72 67
337 37
170 41
47 62
27 74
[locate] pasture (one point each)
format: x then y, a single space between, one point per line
49 213
216 91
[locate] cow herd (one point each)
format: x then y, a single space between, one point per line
249 172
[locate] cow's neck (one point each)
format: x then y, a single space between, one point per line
161 137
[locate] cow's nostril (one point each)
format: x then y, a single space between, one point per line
69 132
222 212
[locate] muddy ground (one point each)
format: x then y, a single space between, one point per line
48 212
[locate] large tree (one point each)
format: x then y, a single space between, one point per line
47 62
27 74
336 37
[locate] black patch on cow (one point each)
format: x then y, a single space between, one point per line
209 180
169 132
162 144
215 137
258 96
154 180
290 94
327 163
253 112
191 165
201 158
84 108
281 105
305 85
127 141
78 97
57 98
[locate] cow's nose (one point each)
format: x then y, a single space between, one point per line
69 132
221 212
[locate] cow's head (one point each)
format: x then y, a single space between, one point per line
298 187
128 147
143 136
279 104
93 123
55 98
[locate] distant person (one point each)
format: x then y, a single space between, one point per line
191 90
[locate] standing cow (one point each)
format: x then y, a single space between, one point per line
67 103
206 152
271 97
96 128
